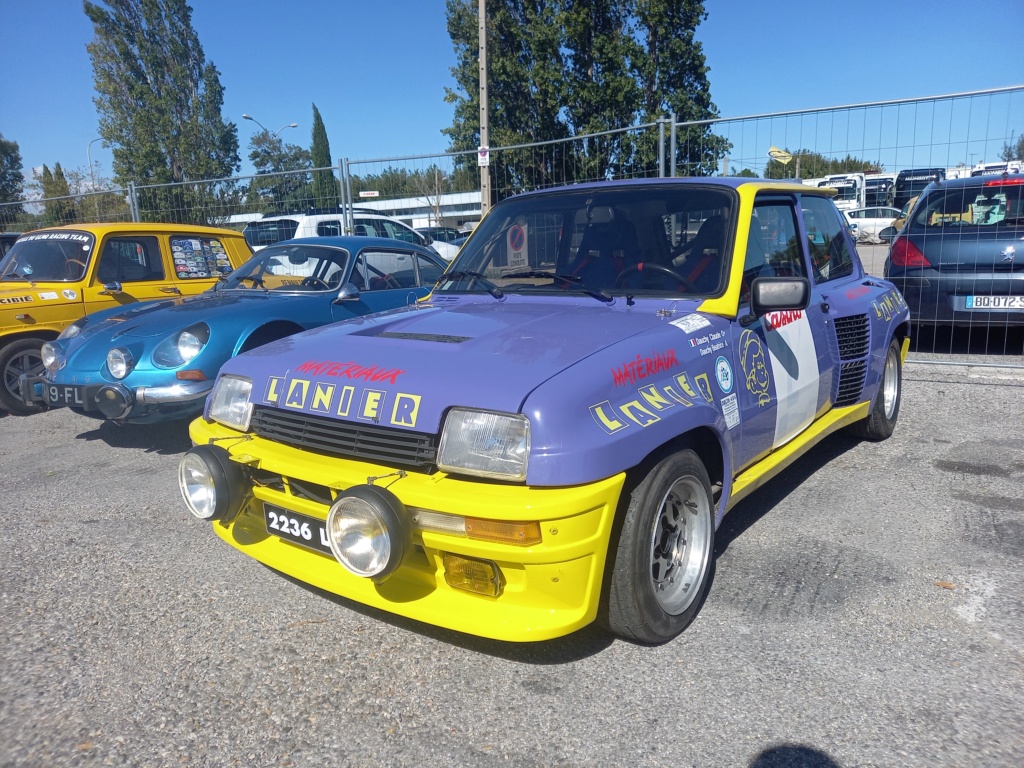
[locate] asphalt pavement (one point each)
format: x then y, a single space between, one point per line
865 610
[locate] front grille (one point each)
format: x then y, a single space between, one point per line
851 383
853 335
330 437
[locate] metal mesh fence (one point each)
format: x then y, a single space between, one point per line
955 133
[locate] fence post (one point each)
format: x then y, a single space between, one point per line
661 147
350 225
133 202
672 144
344 196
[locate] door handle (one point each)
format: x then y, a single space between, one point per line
825 307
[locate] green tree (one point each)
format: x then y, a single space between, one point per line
160 101
564 68
325 187
1013 151
277 187
12 182
59 205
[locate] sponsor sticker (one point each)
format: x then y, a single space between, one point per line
723 374
691 323
731 411
48 295
69 294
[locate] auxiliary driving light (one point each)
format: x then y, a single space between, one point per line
368 531
471 575
211 484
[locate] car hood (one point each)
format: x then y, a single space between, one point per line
155 318
480 354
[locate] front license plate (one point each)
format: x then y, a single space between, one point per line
299 529
61 394
995 302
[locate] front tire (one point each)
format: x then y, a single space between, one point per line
663 559
16 358
882 420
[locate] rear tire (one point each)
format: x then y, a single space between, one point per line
882 420
16 358
663 558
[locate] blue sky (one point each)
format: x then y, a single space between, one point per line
377 70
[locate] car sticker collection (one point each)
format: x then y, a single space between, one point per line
198 257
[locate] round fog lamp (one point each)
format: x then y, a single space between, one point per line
366 531
211 484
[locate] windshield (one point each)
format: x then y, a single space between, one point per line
48 257
291 268
846 189
260 233
994 204
664 240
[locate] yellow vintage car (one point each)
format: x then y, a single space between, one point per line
52 277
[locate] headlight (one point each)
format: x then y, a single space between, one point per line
120 362
52 355
74 329
229 403
182 347
367 531
486 444
211 484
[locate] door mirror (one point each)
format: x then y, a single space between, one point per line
775 294
888 234
111 289
348 292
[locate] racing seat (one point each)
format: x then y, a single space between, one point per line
605 250
701 258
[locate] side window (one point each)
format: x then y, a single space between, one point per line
830 252
130 260
396 232
328 228
772 246
366 228
381 270
197 258
429 273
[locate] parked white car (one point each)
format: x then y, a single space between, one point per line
273 229
866 223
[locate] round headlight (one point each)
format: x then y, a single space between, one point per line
189 346
73 330
197 487
120 362
366 531
211 484
48 354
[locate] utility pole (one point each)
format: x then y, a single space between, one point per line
485 170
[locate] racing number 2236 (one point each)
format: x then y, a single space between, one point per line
290 525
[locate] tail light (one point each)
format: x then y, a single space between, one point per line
903 253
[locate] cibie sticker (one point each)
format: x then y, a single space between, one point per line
723 373
691 323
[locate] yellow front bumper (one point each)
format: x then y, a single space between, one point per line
550 589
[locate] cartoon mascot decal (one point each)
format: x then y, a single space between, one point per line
755 368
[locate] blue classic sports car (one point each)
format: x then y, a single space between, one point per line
158 360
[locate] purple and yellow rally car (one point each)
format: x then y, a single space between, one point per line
554 435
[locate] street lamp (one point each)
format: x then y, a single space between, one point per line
277 132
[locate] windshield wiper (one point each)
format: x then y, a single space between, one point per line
474 277
572 280
256 280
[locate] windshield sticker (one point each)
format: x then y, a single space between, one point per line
731 411
400 409
77 238
691 323
755 368
723 374
642 367
17 300
48 296
69 294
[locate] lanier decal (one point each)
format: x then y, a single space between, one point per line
349 370
704 386
889 305
642 367
755 368
17 300
643 411
399 408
